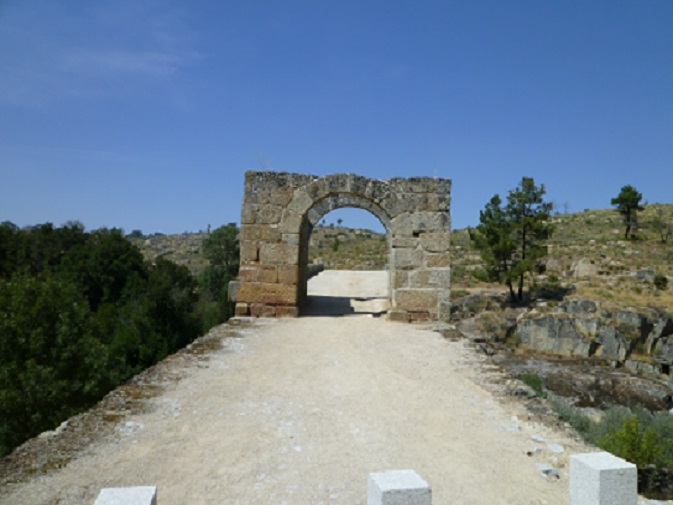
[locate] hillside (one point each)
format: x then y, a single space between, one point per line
587 252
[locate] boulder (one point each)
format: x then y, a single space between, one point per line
584 268
614 345
579 306
639 321
556 334
662 328
663 350
642 367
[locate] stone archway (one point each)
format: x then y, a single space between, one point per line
280 209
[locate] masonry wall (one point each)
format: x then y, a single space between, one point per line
280 209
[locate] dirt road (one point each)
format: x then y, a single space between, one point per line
300 412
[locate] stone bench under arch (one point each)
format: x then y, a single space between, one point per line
280 210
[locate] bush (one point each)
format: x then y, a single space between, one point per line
660 282
534 382
633 442
81 313
632 434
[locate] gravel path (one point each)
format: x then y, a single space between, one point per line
300 412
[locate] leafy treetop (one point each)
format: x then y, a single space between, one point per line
512 238
628 205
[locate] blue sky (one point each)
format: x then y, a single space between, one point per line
145 114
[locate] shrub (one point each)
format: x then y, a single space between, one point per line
633 442
660 281
534 382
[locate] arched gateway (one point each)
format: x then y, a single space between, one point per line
280 209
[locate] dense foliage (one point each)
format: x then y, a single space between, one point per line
221 248
628 205
512 238
636 435
83 312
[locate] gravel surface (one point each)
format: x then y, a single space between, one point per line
300 411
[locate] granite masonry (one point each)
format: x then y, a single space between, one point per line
280 210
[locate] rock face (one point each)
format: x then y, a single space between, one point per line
584 268
558 335
582 328
280 210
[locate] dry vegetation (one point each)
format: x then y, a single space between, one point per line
595 236
623 270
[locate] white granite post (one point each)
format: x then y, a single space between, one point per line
599 478
399 487
143 495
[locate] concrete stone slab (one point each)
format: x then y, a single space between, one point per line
600 478
141 495
398 487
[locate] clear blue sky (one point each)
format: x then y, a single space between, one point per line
145 114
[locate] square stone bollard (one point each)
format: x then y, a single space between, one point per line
142 495
599 478
399 487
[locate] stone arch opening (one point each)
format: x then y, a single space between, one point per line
280 208
320 208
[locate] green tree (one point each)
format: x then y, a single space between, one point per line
221 248
628 205
633 442
512 238
662 224
51 364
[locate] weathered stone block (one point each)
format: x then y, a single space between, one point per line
141 495
259 232
269 214
436 278
292 220
420 316
398 316
268 294
399 487
248 214
288 274
437 242
404 242
600 478
399 279
430 222
282 311
242 309
249 252
416 299
278 253
282 196
441 278
406 259
438 260
290 238
419 278
262 310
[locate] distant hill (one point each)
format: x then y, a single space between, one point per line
341 248
183 249
587 251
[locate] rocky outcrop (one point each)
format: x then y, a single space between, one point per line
639 338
